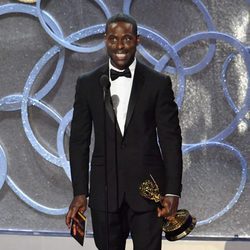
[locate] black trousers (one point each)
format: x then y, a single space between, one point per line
145 229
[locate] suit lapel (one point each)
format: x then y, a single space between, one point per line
136 90
108 106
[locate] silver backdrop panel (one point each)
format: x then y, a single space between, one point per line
203 45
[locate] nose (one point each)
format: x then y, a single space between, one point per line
120 44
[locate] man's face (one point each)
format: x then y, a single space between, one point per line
121 44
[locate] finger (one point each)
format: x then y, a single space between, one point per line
82 210
165 212
162 213
74 210
171 213
170 218
158 212
68 218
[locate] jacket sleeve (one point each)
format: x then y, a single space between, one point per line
80 137
169 135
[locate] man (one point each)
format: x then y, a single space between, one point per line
145 112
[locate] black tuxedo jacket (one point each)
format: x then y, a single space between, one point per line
151 143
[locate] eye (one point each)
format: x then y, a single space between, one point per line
112 39
128 38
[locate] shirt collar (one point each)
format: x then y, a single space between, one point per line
131 67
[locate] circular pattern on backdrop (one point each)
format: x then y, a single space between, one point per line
23 100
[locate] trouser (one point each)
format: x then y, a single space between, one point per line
145 229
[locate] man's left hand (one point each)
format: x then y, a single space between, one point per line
169 207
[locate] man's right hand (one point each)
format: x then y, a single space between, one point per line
79 203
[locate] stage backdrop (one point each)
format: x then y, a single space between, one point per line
202 45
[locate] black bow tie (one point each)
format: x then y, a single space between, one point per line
115 74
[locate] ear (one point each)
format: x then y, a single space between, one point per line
137 39
105 38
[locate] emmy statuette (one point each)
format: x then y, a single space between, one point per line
178 227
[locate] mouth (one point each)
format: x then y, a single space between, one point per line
120 55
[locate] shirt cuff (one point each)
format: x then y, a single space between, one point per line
172 195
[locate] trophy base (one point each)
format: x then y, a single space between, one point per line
180 226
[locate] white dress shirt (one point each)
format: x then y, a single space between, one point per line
121 87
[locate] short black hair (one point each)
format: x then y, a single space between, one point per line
121 17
